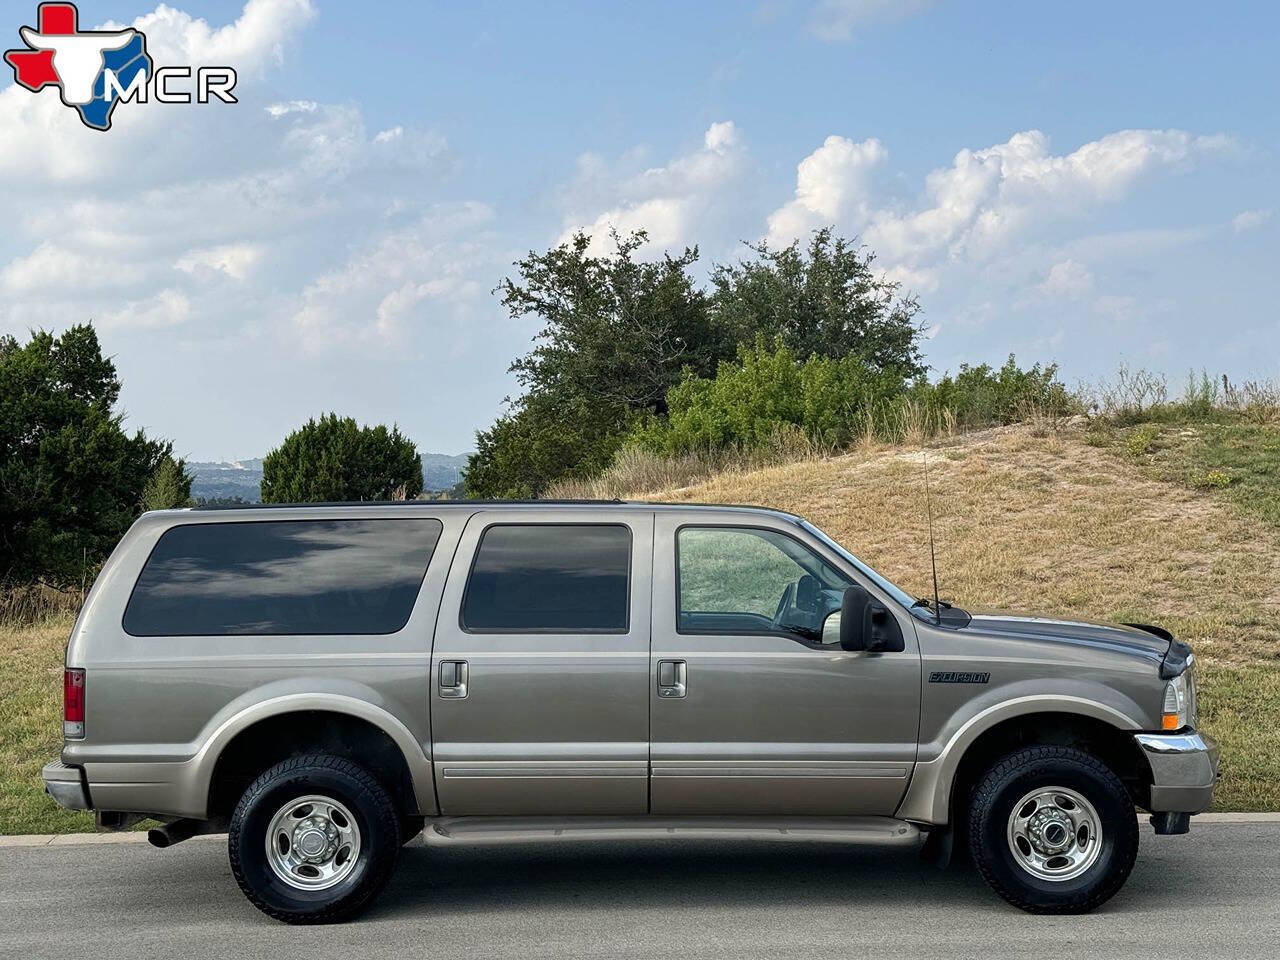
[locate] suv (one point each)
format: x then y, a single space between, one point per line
321 682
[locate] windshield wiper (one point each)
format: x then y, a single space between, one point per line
926 602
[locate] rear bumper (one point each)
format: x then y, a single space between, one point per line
1184 767
66 785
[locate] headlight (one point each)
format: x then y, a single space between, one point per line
1179 708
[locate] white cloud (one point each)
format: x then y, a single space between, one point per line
378 288
832 185
168 308
51 267
1068 279
912 280
44 141
233 259
286 107
254 41
258 203
1250 220
987 197
978 206
838 20
672 202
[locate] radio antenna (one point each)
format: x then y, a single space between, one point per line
933 560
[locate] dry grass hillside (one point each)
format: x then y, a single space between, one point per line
1035 519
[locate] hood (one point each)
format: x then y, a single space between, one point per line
1150 643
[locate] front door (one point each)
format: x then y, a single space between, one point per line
540 666
755 707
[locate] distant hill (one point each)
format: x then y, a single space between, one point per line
231 479
441 471
227 480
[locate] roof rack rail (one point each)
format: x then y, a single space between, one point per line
401 503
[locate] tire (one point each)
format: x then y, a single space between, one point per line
327 804
1052 830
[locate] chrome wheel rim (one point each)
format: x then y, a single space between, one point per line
1054 833
313 843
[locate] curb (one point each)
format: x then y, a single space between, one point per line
140 836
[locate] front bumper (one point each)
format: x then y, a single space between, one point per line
1184 767
66 785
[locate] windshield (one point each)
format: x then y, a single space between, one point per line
888 587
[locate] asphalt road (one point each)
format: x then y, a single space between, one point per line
1214 893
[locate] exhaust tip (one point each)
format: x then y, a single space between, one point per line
158 838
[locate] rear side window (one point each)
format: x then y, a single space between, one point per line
282 577
549 578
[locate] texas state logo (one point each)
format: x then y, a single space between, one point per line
96 70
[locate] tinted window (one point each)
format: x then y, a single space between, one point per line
741 580
548 578
285 577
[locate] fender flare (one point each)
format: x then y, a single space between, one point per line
206 758
928 798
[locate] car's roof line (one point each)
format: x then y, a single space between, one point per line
486 504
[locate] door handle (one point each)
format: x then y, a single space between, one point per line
453 679
671 678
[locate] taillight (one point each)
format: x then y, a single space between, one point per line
73 704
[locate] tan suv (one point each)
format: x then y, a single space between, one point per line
322 681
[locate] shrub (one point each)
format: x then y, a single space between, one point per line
980 396
1200 396
748 402
1143 440
834 402
1257 401
1216 479
1131 394
1097 438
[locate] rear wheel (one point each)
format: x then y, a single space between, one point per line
314 839
1052 830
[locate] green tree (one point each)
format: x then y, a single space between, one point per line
616 330
544 440
168 486
617 333
825 300
71 479
335 459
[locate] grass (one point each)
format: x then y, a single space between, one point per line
31 727
1049 517
1227 453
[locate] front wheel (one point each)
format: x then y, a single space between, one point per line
1052 830
314 839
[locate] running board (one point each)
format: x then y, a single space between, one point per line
879 831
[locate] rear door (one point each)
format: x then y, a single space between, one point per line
540 667
756 708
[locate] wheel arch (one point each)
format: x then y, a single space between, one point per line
938 785
292 724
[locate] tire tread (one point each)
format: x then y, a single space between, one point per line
382 862
984 797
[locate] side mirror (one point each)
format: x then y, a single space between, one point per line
853 618
868 625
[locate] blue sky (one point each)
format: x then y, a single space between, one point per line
1089 184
